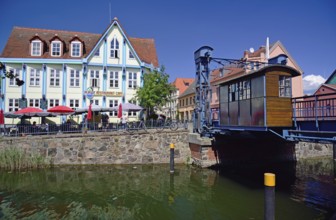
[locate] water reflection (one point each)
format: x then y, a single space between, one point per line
315 183
151 192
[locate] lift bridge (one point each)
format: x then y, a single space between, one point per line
258 103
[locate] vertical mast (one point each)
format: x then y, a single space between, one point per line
202 113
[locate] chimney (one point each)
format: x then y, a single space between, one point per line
267 48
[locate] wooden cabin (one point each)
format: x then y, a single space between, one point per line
259 98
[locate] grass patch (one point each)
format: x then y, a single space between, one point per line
14 158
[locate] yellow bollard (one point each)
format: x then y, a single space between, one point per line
172 146
269 182
269 179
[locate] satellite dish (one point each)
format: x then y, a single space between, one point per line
251 50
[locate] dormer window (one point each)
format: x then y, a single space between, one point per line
76 48
36 48
114 53
56 48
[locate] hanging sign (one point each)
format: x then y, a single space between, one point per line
89 93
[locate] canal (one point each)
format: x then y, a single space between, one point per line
305 190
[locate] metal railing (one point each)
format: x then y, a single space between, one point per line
52 129
317 107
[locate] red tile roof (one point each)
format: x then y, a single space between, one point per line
145 49
230 73
18 44
182 84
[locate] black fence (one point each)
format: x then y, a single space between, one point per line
51 129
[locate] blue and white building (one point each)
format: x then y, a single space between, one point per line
59 66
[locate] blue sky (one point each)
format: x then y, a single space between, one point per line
307 28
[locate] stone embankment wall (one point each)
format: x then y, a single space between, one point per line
106 147
305 150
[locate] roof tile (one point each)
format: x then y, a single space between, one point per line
18 44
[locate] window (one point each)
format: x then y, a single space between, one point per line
94 78
233 92
130 55
54 77
132 113
74 78
114 48
244 90
16 72
56 48
113 103
13 105
53 102
34 103
36 48
247 88
74 103
132 80
284 86
95 102
76 49
114 79
34 77
97 53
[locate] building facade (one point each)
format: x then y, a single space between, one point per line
186 103
58 67
171 108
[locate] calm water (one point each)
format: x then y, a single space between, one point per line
305 190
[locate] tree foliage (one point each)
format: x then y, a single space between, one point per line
10 75
156 90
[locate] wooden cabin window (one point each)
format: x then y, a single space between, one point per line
244 90
233 92
284 86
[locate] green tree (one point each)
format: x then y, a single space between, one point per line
156 90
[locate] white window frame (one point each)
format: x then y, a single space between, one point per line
16 73
74 103
55 78
95 78
74 78
13 105
114 103
34 103
53 103
114 79
53 52
132 80
34 77
285 86
132 113
114 48
76 52
36 48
